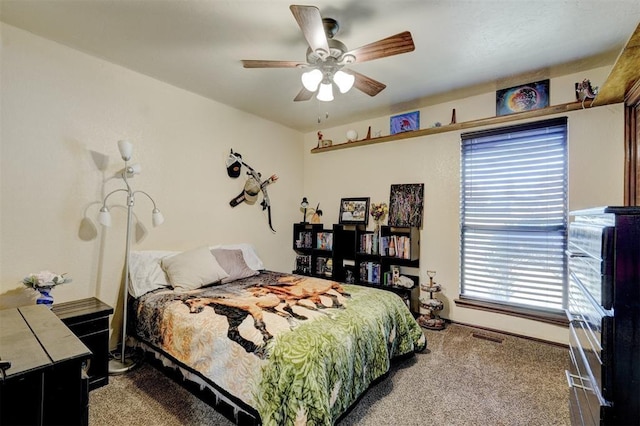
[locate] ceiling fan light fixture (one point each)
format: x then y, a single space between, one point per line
311 79
325 93
344 81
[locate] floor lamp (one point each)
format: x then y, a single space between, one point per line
124 364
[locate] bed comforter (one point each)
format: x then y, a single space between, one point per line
299 350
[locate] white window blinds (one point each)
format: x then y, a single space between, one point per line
514 215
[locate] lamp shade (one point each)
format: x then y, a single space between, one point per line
344 81
104 217
134 169
325 93
311 79
156 217
126 149
304 204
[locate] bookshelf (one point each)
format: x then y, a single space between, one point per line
314 250
354 255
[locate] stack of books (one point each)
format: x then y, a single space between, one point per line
396 246
303 264
369 243
370 272
305 240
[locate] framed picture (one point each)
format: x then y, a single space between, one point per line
354 211
522 98
405 122
405 205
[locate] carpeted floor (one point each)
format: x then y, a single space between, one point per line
459 380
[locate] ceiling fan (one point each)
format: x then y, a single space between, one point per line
327 56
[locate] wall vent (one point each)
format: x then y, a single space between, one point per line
487 337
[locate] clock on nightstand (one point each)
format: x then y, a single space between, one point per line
89 321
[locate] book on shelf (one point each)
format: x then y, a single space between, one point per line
303 264
396 246
305 240
324 241
386 278
370 272
324 266
328 268
369 243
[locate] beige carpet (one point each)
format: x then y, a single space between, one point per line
459 380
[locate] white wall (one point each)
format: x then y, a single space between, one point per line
595 178
61 109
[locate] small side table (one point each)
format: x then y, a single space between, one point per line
89 321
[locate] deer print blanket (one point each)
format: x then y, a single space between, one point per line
299 350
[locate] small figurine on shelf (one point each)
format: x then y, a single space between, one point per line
431 319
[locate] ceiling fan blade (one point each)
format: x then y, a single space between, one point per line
394 45
271 64
303 95
310 22
367 85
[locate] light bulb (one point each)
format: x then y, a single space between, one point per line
325 93
311 79
126 149
156 217
344 81
134 169
104 217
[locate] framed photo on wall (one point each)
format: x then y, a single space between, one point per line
354 211
406 204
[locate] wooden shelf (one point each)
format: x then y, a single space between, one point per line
622 77
556 109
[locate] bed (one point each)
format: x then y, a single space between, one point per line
279 348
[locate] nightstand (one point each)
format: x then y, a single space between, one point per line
89 321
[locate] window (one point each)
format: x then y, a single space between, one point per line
514 215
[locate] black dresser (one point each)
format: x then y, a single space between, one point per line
44 384
604 315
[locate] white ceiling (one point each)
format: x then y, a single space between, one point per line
462 47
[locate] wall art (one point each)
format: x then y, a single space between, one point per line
405 122
406 203
522 98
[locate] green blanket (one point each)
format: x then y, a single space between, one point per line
299 350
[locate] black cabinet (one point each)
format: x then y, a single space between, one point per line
359 256
604 315
89 321
45 384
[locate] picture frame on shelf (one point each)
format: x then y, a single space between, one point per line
522 98
354 211
405 122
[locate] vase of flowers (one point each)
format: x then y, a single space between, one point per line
378 211
43 282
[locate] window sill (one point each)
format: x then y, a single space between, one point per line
527 313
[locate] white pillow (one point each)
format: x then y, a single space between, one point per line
193 269
248 252
145 272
